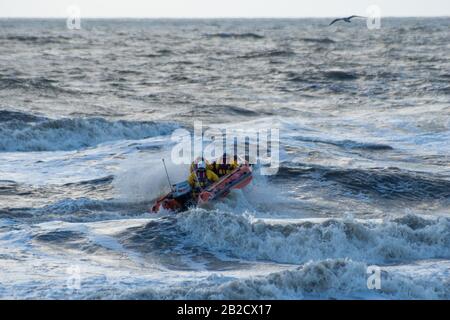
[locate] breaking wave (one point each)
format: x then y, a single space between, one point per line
21 132
407 238
327 279
85 209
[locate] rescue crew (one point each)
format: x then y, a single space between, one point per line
194 164
200 178
225 166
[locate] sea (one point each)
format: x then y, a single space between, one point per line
358 207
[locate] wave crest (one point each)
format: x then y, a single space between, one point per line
33 134
408 238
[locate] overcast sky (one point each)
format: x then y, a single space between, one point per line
221 8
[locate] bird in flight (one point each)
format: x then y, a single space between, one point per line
345 19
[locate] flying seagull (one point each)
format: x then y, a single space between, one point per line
345 19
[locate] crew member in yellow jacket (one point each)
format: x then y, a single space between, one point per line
201 178
224 166
194 164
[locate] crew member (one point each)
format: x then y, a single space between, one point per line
201 178
224 166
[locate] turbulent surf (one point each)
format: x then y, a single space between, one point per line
363 179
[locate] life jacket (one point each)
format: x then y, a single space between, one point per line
222 169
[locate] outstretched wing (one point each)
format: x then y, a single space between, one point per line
335 20
354 16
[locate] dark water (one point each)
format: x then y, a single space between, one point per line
364 179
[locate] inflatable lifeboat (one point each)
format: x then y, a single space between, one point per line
180 198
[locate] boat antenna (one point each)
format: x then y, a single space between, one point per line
167 174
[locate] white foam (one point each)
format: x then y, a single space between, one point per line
245 237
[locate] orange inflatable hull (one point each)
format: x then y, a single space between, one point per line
237 179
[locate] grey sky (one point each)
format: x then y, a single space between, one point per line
221 8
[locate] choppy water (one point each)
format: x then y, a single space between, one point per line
364 179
